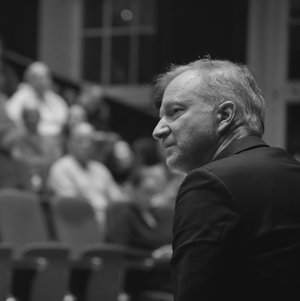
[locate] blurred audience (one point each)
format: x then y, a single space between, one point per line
46 145
92 99
76 174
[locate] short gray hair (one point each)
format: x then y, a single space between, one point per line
222 80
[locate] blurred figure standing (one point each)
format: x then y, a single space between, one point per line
36 92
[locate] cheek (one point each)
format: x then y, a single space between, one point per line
195 135
186 133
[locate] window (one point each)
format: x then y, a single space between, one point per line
293 128
119 41
294 41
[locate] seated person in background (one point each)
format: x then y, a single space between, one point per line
5 122
77 175
138 223
142 225
149 153
92 99
36 92
120 160
146 151
76 115
14 173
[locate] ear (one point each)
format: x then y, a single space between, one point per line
225 115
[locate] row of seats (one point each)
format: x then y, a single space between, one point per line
26 246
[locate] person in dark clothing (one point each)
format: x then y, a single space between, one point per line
145 226
139 223
93 100
14 173
237 213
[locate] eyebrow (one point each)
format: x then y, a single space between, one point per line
171 103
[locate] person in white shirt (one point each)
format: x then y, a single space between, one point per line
36 92
77 175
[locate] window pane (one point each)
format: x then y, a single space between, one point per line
147 58
294 52
293 129
92 59
92 13
147 12
122 13
120 60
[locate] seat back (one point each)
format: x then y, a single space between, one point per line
75 223
21 219
23 226
5 271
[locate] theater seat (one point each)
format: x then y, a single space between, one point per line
75 224
5 271
23 227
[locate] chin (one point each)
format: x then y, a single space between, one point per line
176 165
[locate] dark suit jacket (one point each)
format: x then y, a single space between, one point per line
237 227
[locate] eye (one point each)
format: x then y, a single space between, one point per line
175 111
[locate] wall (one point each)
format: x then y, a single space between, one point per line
267 59
19 26
59 36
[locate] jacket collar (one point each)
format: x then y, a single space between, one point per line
240 145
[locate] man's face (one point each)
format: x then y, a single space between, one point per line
40 79
82 147
188 126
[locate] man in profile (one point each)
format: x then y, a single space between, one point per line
237 214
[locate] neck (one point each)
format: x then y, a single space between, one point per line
82 162
228 139
40 92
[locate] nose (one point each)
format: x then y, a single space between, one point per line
161 130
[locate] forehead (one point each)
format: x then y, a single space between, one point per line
182 87
39 70
82 140
82 132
